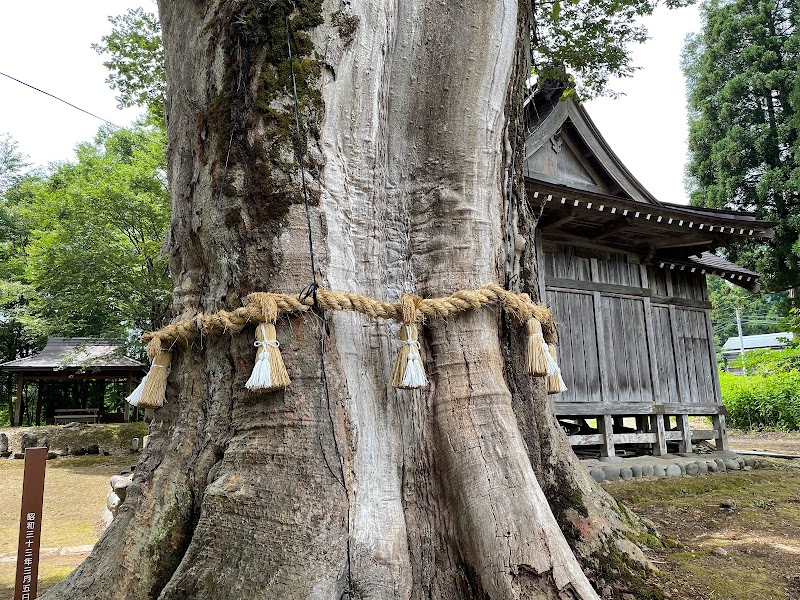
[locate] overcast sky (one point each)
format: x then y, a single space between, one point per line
47 43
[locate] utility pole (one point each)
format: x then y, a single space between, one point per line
741 340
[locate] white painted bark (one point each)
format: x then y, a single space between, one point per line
238 494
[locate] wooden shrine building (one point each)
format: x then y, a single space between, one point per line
625 277
76 379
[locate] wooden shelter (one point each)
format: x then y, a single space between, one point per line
71 377
625 277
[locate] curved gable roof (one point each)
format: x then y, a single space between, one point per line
549 118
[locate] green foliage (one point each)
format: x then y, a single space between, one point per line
743 140
97 226
762 401
590 39
136 61
760 313
766 362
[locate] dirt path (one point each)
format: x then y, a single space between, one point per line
769 441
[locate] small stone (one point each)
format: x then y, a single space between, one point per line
713 467
93 449
113 502
721 465
702 467
741 462
598 475
659 471
27 440
647 470
720 551
625 473
122 484
729 504
673 471
749 461
747 469
135 444
146 440
3 442
612 473
692 469
732 465
637 471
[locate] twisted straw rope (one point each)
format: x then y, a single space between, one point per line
264 307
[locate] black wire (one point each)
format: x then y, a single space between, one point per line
311 290
60 100
300 153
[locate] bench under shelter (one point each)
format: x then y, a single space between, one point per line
77 379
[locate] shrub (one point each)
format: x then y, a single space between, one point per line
770 401
763 362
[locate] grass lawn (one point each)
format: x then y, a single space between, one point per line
748 552
75 493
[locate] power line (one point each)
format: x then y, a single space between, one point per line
60 100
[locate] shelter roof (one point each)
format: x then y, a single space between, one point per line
80 353
755 342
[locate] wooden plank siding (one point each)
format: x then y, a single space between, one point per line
629 334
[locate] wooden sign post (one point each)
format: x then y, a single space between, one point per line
30 524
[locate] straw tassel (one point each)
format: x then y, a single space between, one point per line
409 372
555 383
537 363
136 395
269 372
155 386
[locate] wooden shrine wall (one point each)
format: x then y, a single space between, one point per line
631 336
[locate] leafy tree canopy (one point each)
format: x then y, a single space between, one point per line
741 72
590 39
94 254
136 61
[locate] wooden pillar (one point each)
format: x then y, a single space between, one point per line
686 433
657 425
126 408
721 431
38 403
606 426
18 407
101 390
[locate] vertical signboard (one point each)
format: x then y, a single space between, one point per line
30 524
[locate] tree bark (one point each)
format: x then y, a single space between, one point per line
363 491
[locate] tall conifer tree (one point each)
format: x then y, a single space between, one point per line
741 74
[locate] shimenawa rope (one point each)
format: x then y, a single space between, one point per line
269 373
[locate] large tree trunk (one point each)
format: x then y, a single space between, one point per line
366 492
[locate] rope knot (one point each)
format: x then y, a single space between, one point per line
266 304
409 310
154 347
